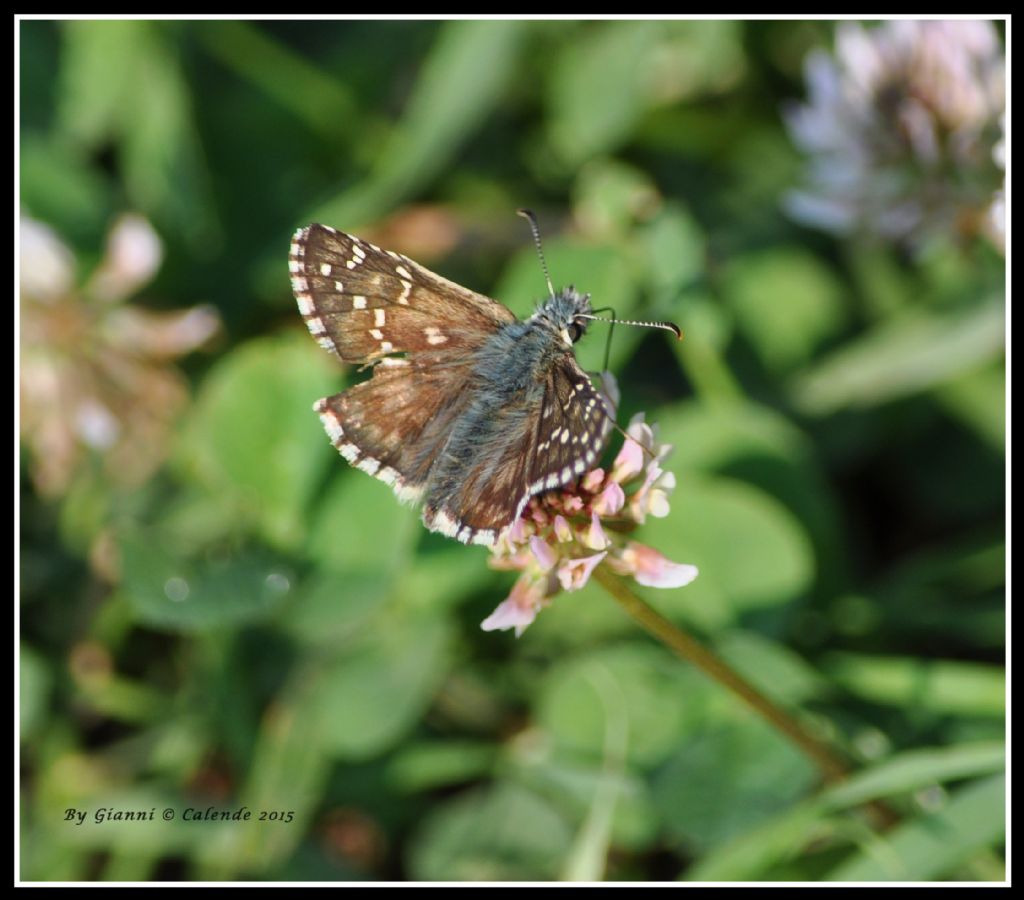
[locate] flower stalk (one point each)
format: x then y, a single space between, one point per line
829 764
832 768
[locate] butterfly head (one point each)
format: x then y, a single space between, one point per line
566 314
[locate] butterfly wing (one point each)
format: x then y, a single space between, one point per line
574 427
367 305
363 303
546 446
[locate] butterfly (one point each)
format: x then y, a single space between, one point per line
469 410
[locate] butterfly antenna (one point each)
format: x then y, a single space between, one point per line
532 219
668 326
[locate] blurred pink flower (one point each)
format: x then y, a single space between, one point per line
95 379
562 536
903 129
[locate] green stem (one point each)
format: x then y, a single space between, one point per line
832 768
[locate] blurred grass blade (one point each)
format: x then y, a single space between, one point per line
462 81
589 853
941 686
917 769
322 102
935 845
122 82
903 357
754 854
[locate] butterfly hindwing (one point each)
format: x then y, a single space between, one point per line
393 425
574 427
546 446
486 488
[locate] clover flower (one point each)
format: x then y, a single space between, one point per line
95 374
562 536
904 128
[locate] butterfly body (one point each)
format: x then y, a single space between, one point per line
470 410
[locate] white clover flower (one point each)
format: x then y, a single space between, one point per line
902 129
95 373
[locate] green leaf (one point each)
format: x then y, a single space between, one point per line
330 607
751 552
933 845
613 73
96 80
578 696
904 356
978 401
939 687
786 302
748 856
377 690
359 525
34 686
756 444
121 82
427 766
253 438
609 195
675 247
613 804
599 88
503 833
444 577
728 777
178 595
322 103
771 667
59 188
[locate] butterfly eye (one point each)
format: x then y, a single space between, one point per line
575 330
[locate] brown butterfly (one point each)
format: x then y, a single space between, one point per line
469 409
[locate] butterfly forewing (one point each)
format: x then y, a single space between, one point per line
363 303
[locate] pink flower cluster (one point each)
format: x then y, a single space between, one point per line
562 536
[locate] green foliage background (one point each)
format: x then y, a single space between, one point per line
837 411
